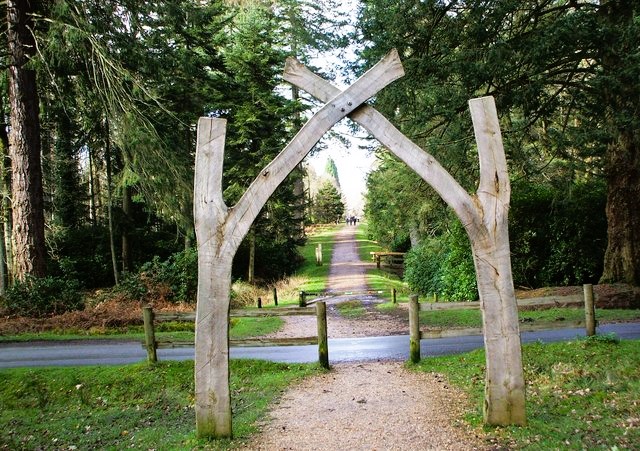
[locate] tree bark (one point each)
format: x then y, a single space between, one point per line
5 210
24 145
112 239
127 220
622 257
622 163
251 271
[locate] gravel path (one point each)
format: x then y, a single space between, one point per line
364 406
369 406
347 273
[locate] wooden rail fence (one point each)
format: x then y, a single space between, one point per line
393 259
586 300
152 344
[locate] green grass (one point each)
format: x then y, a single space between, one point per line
351 309
317 275
138 406
254 327
583 394
472 318
379 279
174 330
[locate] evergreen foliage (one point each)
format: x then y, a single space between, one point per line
42 296
124 85
328 206
563 124
332 170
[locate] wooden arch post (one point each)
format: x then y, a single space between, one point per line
485 218
220 229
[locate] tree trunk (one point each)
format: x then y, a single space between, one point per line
24 146
112 239
504 402
213 396
620 97
5 209
251 271
622 257
126 224
92 189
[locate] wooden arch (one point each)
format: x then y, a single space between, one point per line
220 229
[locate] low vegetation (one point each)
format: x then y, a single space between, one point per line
351 309
582 394
472 318
137 406
317 276
167 286
379 279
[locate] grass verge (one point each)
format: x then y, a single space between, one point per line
135 406
317 276
583 394
174 330
351 309
378 279
472 318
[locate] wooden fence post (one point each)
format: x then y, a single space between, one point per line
149 334
302 299
393 293
414 329
275 296
323 343
589 310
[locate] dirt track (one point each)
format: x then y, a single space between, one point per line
365 406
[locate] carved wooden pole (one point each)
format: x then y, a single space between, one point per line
485 218
504 380
213 399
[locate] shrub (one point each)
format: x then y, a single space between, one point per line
38 297
443 265
557 238
422 266
174 279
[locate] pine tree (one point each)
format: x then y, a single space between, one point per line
328 206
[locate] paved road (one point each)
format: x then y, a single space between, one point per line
340 349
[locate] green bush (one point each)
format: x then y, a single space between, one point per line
557 238
422 266
443 265
175 278
39 297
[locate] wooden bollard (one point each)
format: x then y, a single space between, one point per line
435 297
323 342
414 329
589 310
259 302
302 299
394 293
149 334
275 296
